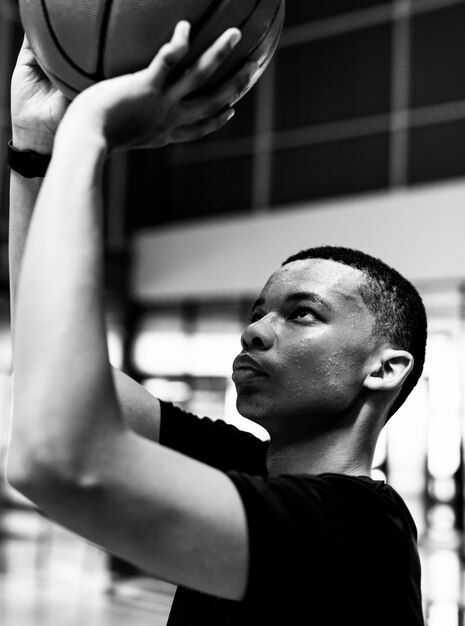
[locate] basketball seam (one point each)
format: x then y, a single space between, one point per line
274 45
59 47
103 40
211 10
62 82
245 20
271 26
203 23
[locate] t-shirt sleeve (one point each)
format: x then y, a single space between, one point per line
213 442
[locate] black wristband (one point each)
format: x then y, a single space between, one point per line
26 162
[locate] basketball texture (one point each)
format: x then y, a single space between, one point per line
80 42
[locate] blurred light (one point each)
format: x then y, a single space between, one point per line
442 577
115 348
169 353
444 446
168 390
444 425
443 614
406 443
212 354
442 489
377 474
406 452
441 518
381 449
161 353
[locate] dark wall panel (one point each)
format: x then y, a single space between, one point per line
438 57
334 79
331 169
214 188
160 192
437 152
299 11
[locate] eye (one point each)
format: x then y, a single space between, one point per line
254 317
302 312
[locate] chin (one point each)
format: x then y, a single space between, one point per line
253 408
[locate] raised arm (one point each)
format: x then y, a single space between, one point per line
71 450
37 108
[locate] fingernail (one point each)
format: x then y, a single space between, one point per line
230 113
253 67
184 27
235 38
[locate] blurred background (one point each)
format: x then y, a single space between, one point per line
354 136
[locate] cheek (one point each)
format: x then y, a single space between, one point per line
333 370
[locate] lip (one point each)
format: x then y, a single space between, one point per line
245 367
243 376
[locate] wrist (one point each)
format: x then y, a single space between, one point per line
98 113
24 139
78 134
27 163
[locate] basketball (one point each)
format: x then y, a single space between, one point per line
80 42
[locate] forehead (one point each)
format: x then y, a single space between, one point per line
336 283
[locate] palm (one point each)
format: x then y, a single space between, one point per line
35 102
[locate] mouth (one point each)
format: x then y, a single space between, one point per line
246 368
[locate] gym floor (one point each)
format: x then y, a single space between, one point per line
49 577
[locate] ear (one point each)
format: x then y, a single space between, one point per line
390 370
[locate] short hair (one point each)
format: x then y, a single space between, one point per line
400 316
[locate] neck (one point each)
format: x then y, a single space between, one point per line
345 451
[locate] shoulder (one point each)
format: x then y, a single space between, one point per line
331 524
327 505
329 542
214 442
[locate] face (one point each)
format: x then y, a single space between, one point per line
308 347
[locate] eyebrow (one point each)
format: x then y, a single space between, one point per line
301 295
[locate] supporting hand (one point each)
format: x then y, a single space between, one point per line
37 106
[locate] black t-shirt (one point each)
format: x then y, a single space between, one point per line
325 550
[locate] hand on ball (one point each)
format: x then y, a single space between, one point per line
37 106
146 109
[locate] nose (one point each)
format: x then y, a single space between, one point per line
259 334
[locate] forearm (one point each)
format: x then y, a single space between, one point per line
23 195
140 410
60 310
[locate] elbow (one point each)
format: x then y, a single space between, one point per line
48 485
23 473
20 483
33 467
36 455
45 470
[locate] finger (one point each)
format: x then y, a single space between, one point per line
27 58
169 54
25 54
222 98
204 127
208 63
